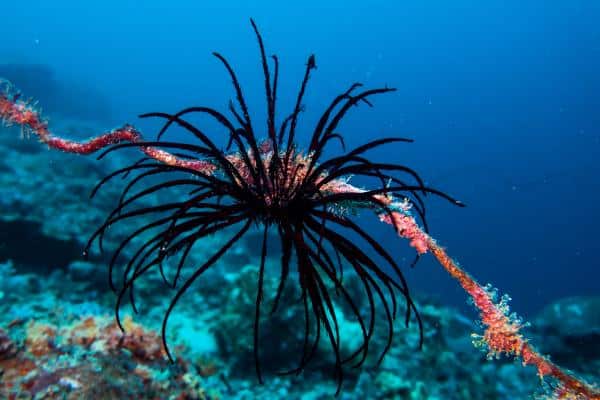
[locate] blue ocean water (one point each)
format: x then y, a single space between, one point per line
501 98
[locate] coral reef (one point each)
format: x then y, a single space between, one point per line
40 368
91 359
73 339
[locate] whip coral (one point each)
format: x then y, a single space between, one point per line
305 197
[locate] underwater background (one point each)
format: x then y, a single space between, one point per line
502 99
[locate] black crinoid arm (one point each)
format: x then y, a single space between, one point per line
269 184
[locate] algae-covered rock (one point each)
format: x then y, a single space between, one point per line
91 358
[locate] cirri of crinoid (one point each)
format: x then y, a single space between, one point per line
263 180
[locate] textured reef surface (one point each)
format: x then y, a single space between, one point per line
58 337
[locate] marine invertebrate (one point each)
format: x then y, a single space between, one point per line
305 197
274 186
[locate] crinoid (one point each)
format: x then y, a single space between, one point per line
301 196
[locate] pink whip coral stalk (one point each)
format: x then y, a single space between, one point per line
502 334
15 111
306 198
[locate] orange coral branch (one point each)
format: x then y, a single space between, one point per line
502 333
13 110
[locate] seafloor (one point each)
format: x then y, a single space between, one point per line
59 340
